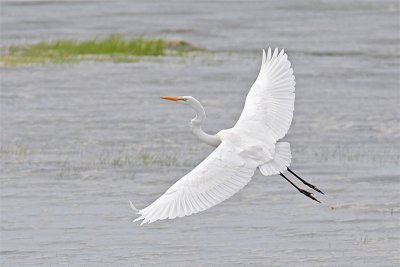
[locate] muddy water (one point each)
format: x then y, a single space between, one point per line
78 141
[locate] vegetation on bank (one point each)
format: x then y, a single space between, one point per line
113 48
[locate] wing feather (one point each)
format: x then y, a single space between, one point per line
218 177
270 102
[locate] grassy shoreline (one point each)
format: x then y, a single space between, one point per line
112 48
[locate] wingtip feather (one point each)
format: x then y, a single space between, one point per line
275 54
264 57
133 206
269 54
138 219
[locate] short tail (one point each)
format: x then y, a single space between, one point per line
282 160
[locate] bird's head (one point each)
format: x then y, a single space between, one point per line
191 102
180 99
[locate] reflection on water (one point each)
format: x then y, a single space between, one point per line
78 141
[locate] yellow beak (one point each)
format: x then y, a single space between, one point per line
172 98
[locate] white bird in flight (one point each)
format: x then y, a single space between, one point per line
254 142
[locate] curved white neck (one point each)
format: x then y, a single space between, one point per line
197 122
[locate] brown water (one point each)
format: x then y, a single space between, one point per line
78 141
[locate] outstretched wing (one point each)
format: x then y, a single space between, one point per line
223 173
270 102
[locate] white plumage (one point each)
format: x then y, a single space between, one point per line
250 144
270 101
217 178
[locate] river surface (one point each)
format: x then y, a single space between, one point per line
78 141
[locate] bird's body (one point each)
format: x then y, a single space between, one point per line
252 143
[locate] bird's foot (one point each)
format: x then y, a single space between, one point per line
308 194
313 187
305 182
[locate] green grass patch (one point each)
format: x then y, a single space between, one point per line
113 48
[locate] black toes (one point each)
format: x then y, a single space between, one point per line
314 187
308 194
305 182
304 192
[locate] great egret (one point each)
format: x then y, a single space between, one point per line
252 143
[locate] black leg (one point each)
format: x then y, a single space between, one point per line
304 192
305 182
